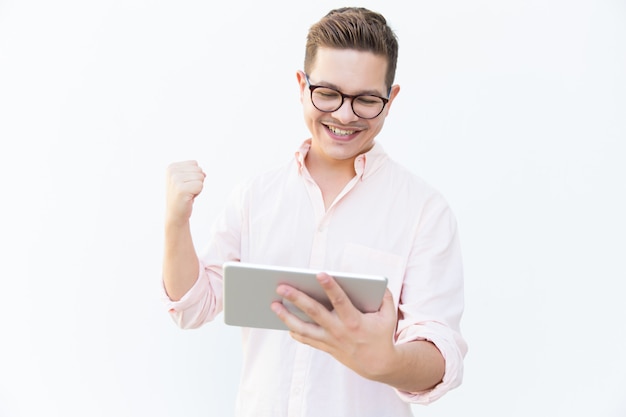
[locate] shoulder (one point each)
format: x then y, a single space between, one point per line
408 180
410 190
268 180
383 167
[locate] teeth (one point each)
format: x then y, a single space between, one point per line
342 132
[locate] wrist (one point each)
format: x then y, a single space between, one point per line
176 222
412 367
177 231
388 367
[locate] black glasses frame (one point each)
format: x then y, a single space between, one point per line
313 87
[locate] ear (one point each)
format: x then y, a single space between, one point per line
395 89
301 83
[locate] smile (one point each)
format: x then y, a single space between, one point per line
340 132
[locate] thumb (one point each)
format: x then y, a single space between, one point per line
387 306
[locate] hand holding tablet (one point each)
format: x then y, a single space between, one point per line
250 289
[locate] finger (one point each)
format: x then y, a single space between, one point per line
185 168
388 306
340 301
183 165
180 180
300 330
186 173
309 306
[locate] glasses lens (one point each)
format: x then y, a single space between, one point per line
367 107
326 99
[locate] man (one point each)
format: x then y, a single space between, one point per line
349 208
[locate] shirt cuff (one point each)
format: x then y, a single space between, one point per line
453 353
188 311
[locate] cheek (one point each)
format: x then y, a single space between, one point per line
373 133
310 118
310 112
378 127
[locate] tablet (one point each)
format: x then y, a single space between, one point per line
250 289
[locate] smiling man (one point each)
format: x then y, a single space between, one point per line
342 127
342 204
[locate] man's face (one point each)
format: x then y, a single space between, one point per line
341 135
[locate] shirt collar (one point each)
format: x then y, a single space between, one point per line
364 165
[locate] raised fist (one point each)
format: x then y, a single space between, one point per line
184 181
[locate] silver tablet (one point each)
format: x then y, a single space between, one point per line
249 290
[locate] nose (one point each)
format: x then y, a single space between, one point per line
344 114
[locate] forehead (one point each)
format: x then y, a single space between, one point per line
349 69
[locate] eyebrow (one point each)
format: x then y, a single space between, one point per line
361 93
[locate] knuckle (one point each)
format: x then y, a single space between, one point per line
311 310
352 323
339 300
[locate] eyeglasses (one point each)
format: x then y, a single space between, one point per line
328 100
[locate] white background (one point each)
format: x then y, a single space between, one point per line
515 110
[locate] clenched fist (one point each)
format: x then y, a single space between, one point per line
184 181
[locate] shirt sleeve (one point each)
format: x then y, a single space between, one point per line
200 304
432 299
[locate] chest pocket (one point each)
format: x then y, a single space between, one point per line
365 260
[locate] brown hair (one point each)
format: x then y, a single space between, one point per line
354 28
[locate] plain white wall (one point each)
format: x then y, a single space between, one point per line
515 110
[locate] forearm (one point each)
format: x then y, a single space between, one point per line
414 367
180 261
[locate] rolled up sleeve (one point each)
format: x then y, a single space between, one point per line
201 304
453 349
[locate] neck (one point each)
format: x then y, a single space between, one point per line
330 175
328 169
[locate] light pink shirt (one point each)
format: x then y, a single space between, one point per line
386 221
